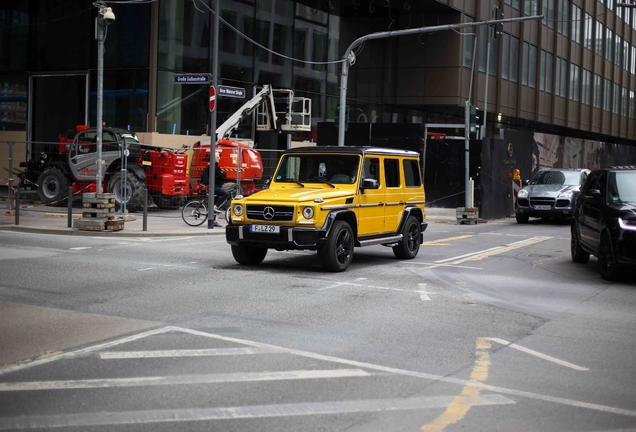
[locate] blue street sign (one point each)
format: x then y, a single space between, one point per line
192 79
235 92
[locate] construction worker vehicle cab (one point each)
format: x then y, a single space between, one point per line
331 200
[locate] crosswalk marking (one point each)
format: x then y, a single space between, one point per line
182 380
112 355
235 412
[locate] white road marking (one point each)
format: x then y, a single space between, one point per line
147 268
447 265
441 378
9 423
538 354
479 255
236 412
423 293
355 285
182 380
112 355
81 248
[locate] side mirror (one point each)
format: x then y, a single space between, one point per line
267 182
526 182
368 183
594 193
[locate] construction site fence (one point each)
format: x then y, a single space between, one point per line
15 180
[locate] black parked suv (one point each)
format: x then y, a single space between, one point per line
604 220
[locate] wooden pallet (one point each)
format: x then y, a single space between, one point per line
98 213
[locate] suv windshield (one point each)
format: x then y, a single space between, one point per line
318 168
567 178
622 186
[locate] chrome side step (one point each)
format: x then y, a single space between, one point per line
383 240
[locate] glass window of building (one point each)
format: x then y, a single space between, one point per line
513 74
632 61
607 95
548 13
529 71
586 87
545 76
14 24
13 110
625 102
588 35
561 78
616 103
625 54
609 44
513 3
598 91
530 7
505 58
574 82
468 41
631 104
576 24
598 42
563 16
618 51
184 38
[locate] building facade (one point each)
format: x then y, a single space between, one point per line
570 74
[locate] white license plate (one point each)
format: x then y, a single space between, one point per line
543 207
265 228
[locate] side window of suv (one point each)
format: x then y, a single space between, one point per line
392 173
412 174
371 168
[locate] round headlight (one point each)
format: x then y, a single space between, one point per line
308 212
523 193
237 209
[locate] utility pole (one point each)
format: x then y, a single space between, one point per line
104 18
213 137
349 57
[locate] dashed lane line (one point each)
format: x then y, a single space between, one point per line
119 355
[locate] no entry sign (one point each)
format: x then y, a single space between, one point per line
212 98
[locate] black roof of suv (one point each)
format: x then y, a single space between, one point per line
604 220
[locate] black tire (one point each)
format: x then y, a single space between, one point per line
607 259
52 186
578 254
247 255
337 253
233 190
522 218
194 213
410 244
133 195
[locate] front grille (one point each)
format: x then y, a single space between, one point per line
542 201
281 213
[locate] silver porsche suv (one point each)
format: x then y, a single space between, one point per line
551 193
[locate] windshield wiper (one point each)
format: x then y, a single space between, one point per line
326 182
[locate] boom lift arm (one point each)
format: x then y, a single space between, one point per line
268 118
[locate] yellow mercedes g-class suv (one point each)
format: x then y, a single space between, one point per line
332 199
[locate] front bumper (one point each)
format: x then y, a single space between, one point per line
289 238
561 208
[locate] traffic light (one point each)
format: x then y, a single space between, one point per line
475 117
497 14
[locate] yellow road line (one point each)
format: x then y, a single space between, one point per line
470 393
442 242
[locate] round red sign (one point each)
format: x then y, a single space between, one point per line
212 98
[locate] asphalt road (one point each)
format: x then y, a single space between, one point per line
491 327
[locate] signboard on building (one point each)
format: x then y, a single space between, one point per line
192 79
235 92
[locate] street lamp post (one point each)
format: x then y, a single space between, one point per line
104 18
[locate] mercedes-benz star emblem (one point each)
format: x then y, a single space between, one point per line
268 213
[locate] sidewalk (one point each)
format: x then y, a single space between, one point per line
56 222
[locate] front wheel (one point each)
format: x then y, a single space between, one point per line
607 259
132 195
247 255
337 253
410 244
194 213
52 186
578 254
522 218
